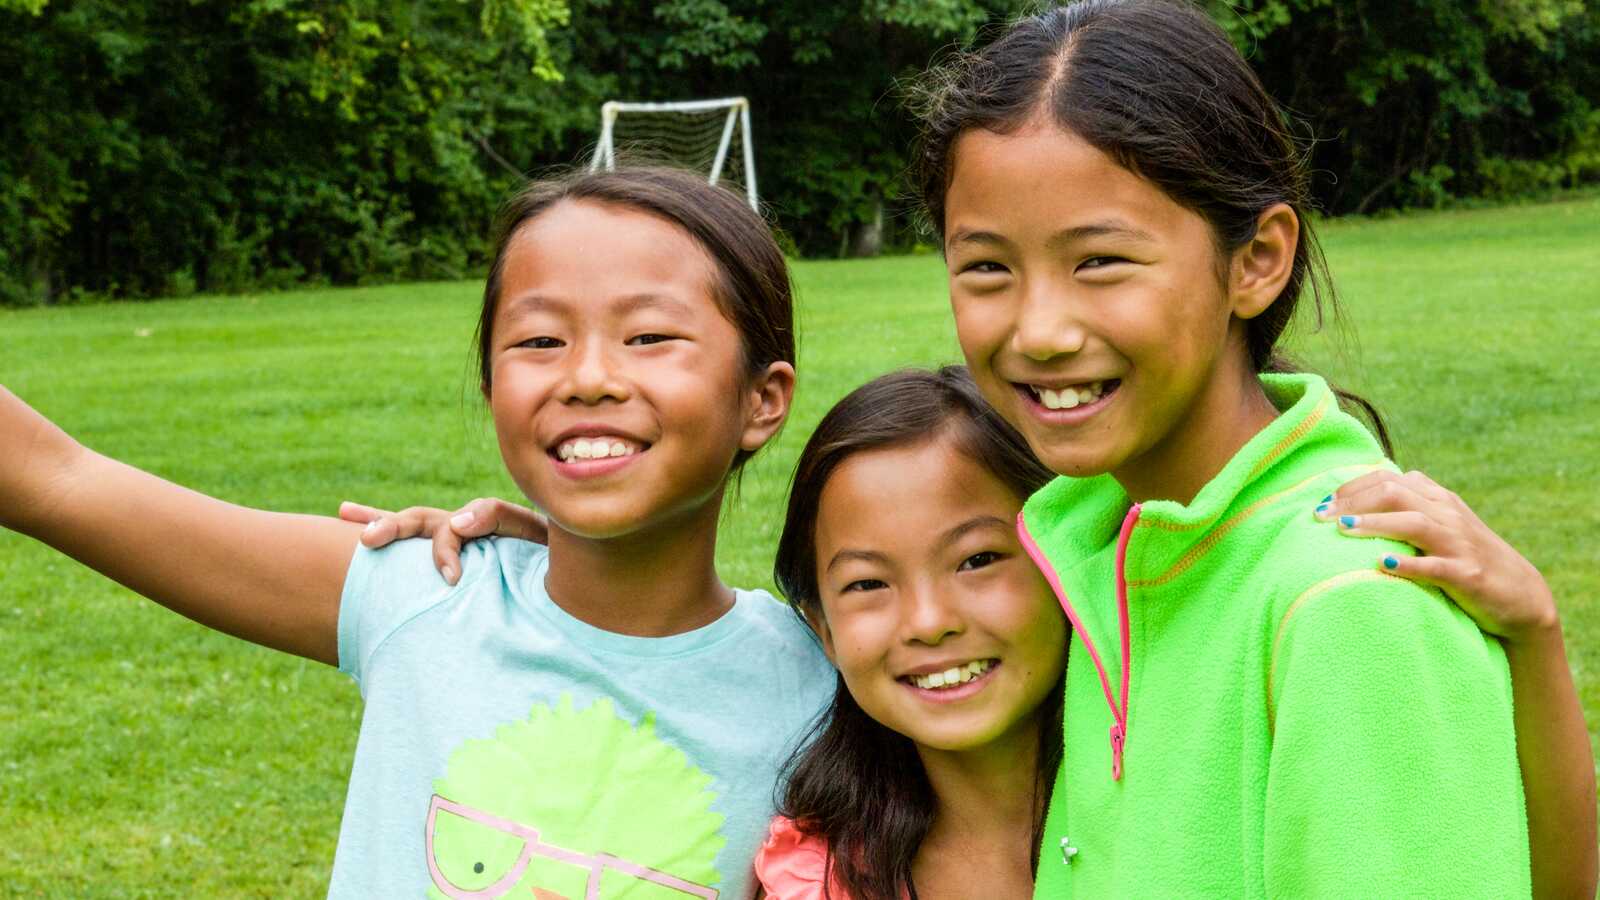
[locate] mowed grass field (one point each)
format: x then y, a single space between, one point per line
141 755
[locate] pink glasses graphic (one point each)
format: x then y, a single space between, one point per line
596 863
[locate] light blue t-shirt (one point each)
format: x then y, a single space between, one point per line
507 746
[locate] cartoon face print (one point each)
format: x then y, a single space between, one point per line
573 804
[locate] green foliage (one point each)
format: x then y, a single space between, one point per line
256 143
1420 101
157 146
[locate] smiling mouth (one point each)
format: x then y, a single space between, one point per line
1070 396
584 449
951 677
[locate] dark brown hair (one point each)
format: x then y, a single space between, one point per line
752 285
1158 87
856 783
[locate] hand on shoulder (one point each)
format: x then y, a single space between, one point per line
1474 566
448 530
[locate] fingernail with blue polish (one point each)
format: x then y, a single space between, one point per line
1347 521
1327 499
1322 509
1390 562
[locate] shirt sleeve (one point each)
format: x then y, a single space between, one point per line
1393 764
384 589
793 865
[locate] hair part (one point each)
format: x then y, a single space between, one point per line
751 283
856 783
1157 86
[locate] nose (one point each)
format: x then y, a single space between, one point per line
929 616
1048 324
592 375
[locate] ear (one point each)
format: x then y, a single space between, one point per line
819 624
768 399
1260 269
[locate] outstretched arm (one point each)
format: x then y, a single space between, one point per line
1507 597
271 578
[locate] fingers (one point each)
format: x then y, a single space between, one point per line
487 515
1436 571
415 521
1389 492
447 554
479 518
1374 486
1415 528
360 513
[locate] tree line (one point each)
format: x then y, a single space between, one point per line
163 147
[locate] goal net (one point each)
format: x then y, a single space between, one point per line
707 136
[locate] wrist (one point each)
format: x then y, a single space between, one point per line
1540 633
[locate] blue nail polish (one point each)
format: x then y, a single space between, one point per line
1327 499
1322 509
1347 521
1390 562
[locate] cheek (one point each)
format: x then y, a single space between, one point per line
1038 627
979 325
860 639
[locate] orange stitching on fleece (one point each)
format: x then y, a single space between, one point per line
1315 590
1217 534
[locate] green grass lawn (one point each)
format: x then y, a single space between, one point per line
141 755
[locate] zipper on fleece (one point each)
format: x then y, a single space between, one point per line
1119 711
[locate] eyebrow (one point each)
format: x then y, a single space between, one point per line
951 536
973 524
1102 228
525 304
844 556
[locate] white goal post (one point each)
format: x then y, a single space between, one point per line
698 134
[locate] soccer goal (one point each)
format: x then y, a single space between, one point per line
708 136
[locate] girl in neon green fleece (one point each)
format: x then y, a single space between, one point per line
1254 706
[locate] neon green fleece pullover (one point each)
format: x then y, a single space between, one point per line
1284 719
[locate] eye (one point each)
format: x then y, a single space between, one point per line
983 267
979 560
543 342
865 584
642 340
1100 262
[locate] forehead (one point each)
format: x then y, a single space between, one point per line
594 252
1043 176
872 495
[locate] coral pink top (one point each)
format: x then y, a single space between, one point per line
793 865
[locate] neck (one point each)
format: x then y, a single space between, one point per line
652 583
1230 410
987 800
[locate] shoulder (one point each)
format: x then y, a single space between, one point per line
1361 629
774 622
388 587
793 865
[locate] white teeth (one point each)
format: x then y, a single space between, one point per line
1069 397
952 676
594 448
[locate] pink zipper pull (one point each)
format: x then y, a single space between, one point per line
1119 734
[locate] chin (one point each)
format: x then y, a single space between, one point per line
1076 462
594 525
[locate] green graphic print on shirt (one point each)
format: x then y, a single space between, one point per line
573 805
